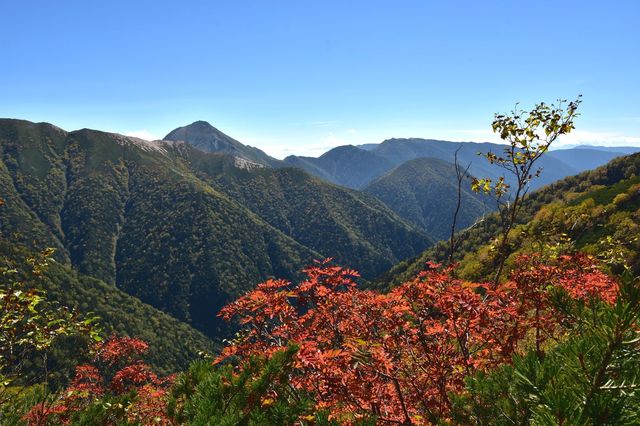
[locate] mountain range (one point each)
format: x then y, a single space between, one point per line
374 160
174 229
181 229
419 192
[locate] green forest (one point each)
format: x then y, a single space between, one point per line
153 283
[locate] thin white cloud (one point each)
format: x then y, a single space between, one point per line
142 134
585 137
352 131
576 137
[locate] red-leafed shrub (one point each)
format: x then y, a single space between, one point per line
399 356
130 389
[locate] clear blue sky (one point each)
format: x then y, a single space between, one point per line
302 76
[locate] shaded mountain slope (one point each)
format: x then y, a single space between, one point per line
173 344
345 165
423 191
353 228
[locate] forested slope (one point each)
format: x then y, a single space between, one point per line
350 226
183 230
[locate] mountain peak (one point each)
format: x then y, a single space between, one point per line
198 132
200 124
202 135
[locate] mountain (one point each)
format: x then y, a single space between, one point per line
622 150
423 191
205 137
381 158
353 227
347 165
183 230
595 212
584 158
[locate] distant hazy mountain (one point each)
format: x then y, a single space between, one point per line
624 150
207 138
381 158
424 192
584 158
347 165
367 146
356 167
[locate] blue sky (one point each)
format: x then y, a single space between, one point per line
299 77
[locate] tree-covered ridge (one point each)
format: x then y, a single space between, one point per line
183 230
355 227
575 212
424 192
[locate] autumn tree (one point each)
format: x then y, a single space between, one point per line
528 135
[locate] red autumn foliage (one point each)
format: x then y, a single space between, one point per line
118 370
400 355
131 377
120 350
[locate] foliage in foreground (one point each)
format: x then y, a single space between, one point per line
556 343
591 377
117 388
405 357
30 325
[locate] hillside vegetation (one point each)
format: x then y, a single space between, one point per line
175 344
576 213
